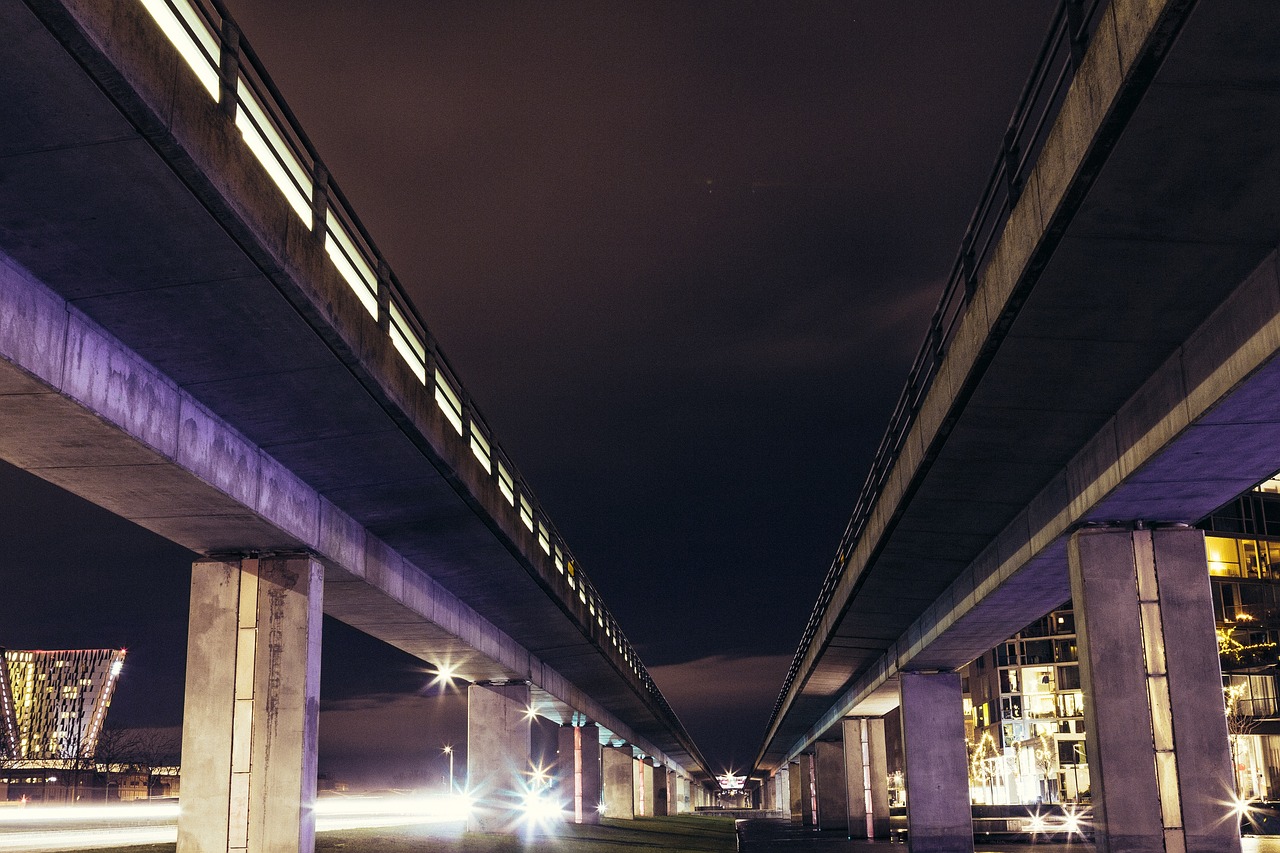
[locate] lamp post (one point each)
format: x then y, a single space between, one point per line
448 750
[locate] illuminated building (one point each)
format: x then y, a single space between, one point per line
54 702
1023 699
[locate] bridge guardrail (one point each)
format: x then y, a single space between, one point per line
1072 26
209 41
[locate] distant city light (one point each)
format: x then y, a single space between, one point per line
730 782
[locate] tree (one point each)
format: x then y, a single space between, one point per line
142 751
1239 724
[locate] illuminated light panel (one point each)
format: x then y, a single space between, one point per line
506 485
405 342
526 513
447 400
275 156
363 281
544 542
480 449
559 560
201 53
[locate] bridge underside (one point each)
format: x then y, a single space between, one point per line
249 418
1108 395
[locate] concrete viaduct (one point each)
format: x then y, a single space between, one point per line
1101 375
197 334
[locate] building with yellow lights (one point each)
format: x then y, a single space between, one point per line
1023 699
54 703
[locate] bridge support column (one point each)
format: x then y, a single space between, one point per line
808 796
673 806
1159 757
939 817
578 767
683 802
795 793
833 798
646 788
782 789
619 783
660 800
498 746
251 710
867 777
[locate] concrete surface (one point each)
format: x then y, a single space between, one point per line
939 819
498 750
1117 361
208 361
833 794
619 783
1159 758
251 717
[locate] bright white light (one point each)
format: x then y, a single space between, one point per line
116 666
120 822
540 809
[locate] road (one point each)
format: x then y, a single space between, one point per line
40 829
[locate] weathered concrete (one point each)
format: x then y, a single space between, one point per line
646 788
229 376
808 796
782 789
498 744
1159 758
661 799
938 814
867 780
250 719
578 768
619 782
1065 398
796 793
833 797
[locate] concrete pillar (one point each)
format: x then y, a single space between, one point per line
797 793
683 792
939 817
498 745
659 799
646 784
808 796
782 789
251 710
579 772
1159 757
673 789
833 797
619 782
866 760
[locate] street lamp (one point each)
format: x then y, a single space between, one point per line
448 750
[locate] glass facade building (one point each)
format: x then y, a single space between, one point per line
1024 704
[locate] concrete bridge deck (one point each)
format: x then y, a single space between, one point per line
1115 361
197 334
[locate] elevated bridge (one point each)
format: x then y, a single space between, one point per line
1100 374
197 333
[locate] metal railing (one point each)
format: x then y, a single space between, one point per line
1072 26
207 38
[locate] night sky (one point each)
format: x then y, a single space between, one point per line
682 255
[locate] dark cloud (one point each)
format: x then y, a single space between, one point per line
681 253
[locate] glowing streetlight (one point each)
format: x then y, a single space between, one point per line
448 750
445 675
